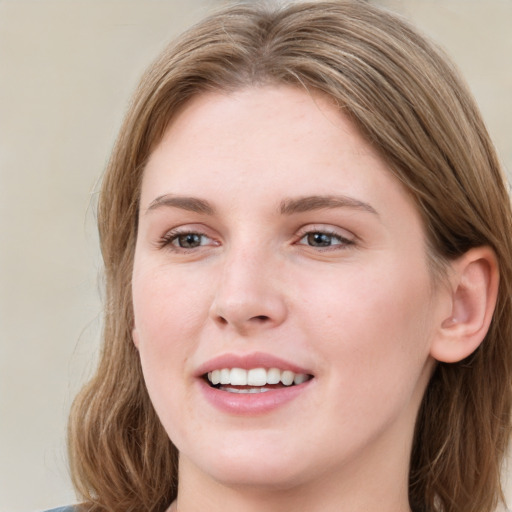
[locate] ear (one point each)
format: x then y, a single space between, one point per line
135 338
474 280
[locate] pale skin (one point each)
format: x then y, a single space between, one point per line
269 225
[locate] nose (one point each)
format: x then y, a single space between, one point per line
250 293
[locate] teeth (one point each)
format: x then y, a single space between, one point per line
224 376
287 377
300 378
246 390
238 377
273 376
254 377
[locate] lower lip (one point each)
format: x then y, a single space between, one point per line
251 403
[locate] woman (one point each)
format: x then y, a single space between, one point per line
306 236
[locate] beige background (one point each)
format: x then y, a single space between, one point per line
67 68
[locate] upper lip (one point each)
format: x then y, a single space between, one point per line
248 361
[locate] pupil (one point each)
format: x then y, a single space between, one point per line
189 240
319 239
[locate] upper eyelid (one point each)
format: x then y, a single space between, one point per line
189 228
171 234
175 233
327 229
332 234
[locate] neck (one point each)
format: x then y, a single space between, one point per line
353 491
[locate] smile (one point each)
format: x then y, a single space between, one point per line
254 380
253 384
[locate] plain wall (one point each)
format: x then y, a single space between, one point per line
67 69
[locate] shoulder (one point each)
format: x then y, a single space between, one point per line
63 509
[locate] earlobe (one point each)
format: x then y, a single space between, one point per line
135 338
474 283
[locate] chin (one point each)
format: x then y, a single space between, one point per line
264 477
257 468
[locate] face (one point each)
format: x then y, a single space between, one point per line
278 257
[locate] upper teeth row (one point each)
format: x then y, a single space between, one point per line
255 377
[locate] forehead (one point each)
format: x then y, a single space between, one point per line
257 143
260 129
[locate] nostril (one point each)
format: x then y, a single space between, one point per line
261 318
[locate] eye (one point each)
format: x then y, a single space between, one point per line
323 239
189 240
185 240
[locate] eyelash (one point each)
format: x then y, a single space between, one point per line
343 241
169 239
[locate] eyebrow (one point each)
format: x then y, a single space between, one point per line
309 203
191 204
287 206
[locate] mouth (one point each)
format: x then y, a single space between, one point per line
254 380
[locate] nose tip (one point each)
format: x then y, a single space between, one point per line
247 299
242 316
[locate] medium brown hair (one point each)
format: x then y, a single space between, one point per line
410 104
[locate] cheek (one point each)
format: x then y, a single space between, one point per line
168 314
372 324
166 306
